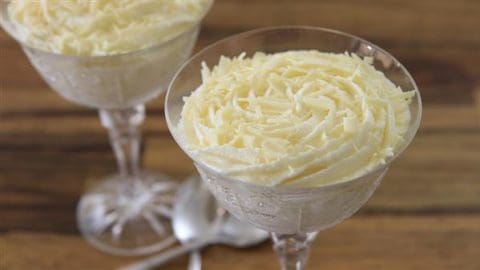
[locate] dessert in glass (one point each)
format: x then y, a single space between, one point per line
113 56
293 128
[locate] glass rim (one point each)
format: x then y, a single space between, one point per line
291 188
106 56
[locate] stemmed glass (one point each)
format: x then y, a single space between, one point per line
127 213
293 215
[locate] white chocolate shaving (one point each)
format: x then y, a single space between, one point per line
102 27
297 118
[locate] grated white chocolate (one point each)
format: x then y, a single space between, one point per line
102 27
301 118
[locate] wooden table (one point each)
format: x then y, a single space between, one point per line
425 215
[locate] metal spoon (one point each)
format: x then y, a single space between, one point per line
191 198
202 223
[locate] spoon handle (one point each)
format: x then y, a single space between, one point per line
160 259
195 261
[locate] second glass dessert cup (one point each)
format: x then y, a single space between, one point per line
293 215
127 213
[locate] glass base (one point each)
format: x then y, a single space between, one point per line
128 217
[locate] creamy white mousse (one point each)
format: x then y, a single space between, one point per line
302 118
102 27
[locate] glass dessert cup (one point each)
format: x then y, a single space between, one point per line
293 215
127 213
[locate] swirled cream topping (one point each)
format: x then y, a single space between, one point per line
296 118
102 27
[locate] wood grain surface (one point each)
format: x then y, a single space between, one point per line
425 215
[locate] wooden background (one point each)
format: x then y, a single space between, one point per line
425 215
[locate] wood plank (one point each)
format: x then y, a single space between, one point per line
16 128
443 77
448 21
425 180
366 242
444 22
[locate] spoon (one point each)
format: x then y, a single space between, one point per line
193 198
201 222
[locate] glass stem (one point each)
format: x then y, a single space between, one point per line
292 249
125 137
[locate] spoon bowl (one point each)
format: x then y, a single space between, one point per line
199 221
194 212
197 215
239 234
